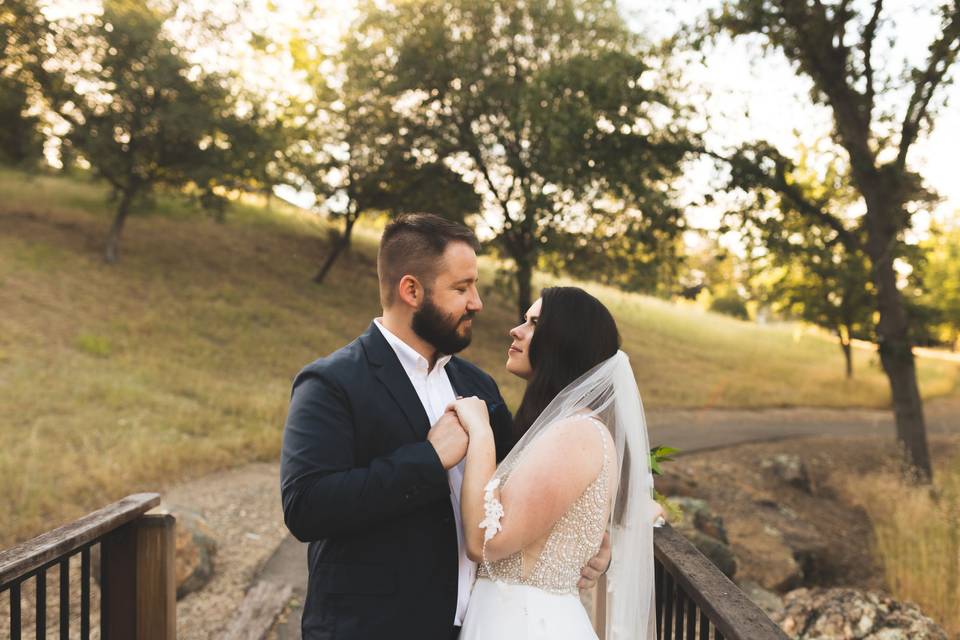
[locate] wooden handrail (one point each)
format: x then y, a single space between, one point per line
727 607
19 561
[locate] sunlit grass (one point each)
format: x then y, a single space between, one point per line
917 533
177 361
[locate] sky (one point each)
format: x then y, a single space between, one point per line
756 96
752 95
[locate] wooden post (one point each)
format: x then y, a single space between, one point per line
156 579
118 583
138 598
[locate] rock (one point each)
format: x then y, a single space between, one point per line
768 560
697 513
195 548
790 469
706 532
849 614
770 602
716 551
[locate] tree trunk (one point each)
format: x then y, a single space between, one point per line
338 248
893 341
113 239
845 345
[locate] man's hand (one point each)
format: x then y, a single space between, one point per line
597 566
449 439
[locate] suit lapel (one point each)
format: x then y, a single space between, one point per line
453 375
389 371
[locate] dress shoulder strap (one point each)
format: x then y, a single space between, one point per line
602 429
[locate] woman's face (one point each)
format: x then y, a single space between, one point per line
518 355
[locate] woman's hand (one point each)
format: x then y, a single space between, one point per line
659 515
473 415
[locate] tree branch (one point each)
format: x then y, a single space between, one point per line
943 53
752 176
869 35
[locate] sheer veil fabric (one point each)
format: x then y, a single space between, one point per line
609 393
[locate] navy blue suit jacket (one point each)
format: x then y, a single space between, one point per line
364 488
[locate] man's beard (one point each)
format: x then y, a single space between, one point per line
439 330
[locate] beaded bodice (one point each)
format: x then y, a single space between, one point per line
573 540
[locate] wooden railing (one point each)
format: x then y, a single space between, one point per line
695 601
137 594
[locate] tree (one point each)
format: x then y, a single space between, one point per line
808 272
139 112
826 286
551 110
21 29
940 280
833 45
353 151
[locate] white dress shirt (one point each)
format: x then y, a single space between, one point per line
436 393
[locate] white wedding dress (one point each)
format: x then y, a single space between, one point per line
541 602
532 594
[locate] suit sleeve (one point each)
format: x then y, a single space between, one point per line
323 493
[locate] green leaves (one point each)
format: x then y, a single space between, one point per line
658 455
540 108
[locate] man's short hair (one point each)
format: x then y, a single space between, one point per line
413 244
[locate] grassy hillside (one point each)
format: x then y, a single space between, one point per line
177 360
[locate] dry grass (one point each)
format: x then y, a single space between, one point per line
177 361
917 532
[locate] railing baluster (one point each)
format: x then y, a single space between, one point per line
65 599
658 574
678 628
15 611
41 603
85 593
668 599
691 619
704 626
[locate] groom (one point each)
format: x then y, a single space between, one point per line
371 465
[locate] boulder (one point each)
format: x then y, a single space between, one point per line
195 548
697 513
849 614
706 532
767 600
790 469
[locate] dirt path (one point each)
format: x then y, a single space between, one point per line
691 431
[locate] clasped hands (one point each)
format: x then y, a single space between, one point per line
450 435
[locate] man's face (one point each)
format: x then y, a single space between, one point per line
445 319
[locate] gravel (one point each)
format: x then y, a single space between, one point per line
242 508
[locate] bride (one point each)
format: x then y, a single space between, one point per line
580 467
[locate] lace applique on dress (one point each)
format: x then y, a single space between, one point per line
492 511
573 540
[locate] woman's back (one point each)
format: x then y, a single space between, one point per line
554 562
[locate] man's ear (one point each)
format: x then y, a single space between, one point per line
410 291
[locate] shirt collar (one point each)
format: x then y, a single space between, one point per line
409 357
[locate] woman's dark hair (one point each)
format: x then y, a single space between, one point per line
574 333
